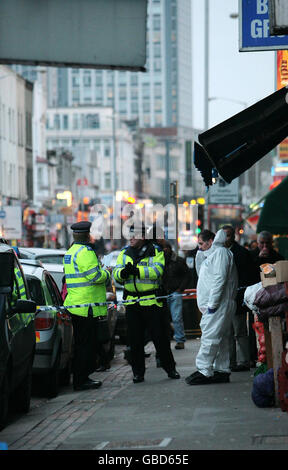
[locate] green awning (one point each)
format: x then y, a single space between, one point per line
274 213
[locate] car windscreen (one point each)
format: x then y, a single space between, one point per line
36 290
51 259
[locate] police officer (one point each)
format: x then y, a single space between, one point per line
140 268
86 282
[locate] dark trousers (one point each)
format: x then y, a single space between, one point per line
84 330
153 319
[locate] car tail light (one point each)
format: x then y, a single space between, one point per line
44 321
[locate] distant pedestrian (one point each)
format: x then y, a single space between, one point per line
265 253
239 348
216 292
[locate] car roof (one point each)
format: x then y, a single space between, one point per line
42 251
4 248
33 270
52 267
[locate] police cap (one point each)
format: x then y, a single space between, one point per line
81 227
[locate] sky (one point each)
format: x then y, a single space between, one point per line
243 76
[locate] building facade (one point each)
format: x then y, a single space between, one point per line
16 167
96 139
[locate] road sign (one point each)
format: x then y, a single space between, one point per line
12 222
254 34
2 214
224 193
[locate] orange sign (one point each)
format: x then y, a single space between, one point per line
282 80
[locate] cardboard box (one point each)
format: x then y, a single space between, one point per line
281 271
281 268
267 281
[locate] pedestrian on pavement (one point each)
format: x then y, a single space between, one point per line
85 281
265 253
239 346
216 293
140 269
175 280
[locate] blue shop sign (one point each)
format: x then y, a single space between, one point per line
254 28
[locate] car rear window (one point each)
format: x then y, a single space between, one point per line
36 290
51 259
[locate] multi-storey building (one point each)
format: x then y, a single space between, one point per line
96 139
16 167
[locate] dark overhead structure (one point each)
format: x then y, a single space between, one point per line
105 34
236 144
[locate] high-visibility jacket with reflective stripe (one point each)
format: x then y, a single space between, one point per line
151 270
85 280
19 287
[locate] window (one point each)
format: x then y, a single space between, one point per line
56 121
87 79
161 162
92 121
75 121
107 150
156 22
107 180
65 121
36 291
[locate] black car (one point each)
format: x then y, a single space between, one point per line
17 335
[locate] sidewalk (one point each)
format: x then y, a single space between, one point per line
158 414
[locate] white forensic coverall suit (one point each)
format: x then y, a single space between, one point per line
216 290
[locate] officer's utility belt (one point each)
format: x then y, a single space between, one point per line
138 294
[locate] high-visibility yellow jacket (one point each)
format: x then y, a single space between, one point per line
85 280
151 267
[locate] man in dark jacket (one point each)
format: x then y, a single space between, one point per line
240 350
175 280
265 252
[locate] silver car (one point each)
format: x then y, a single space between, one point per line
45 255
54 332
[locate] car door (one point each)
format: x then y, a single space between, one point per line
63 319
20 329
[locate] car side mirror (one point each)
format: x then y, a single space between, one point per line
6 272
24 306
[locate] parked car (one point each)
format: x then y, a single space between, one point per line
54 331
17 335
121 325
45 255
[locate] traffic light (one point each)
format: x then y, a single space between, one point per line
236 144
200 220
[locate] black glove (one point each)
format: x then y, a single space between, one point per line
129 269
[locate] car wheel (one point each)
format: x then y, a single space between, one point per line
22 395
53 377
4 402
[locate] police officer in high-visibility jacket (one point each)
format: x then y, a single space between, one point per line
86 284
139 268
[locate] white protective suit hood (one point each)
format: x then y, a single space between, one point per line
219 240
217 274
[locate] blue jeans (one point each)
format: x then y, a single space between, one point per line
175 306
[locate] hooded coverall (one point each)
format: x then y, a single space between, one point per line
216 293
